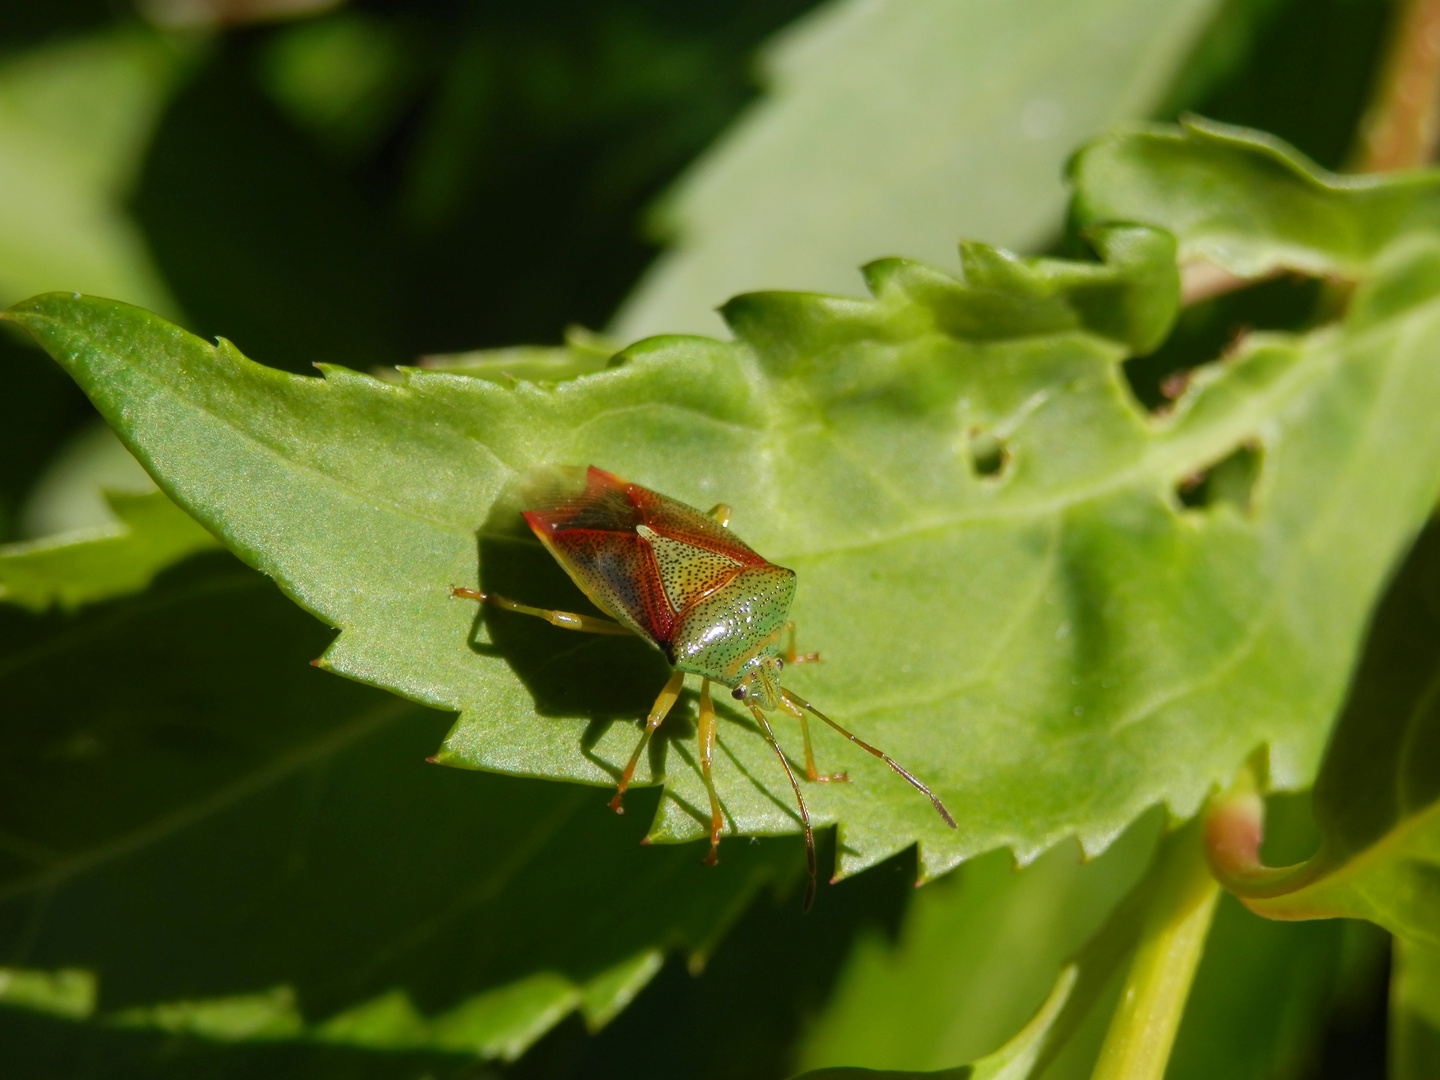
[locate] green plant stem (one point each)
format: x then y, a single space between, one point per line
1143 1028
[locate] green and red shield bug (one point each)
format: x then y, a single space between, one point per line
685 583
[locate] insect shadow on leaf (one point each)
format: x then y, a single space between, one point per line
603 678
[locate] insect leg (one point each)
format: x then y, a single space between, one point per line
796 699
811 773
706 727
657 713
799 799
791 657
721 513
566 619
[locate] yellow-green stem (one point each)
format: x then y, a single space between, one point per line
1143 1028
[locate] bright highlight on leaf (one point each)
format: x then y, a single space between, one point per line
1063 642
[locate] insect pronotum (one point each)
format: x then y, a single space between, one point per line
685 583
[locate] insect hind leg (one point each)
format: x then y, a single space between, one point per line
567 620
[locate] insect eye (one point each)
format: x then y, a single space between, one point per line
738 693
779 664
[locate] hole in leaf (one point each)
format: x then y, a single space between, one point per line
1215 327
1230 480
988 454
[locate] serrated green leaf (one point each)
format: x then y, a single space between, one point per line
1377 799
104 562
74 118
893 127
271 1014
215 840
1249 203
1054 647
582 354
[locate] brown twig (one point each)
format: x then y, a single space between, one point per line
1401 129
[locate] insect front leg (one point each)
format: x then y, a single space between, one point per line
662 706
811 773
799 801
791 698
568 620
791 656
706 730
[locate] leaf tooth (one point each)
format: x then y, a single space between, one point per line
787 329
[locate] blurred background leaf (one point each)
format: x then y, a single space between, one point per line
75 119
986 943
1376 807
896 127
101 562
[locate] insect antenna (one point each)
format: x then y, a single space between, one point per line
796 699
800 799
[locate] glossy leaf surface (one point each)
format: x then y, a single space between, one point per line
217 841
993 557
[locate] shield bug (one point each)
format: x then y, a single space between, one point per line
685 583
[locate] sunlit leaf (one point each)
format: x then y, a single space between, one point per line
992 550
1251 204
